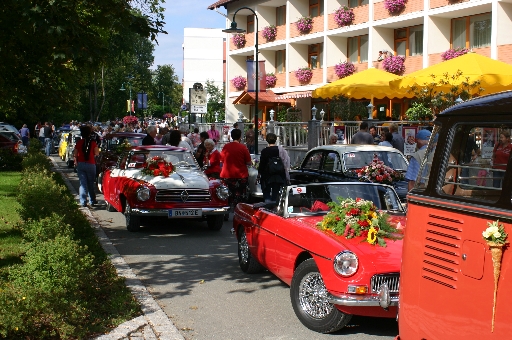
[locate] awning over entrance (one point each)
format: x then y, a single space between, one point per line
263 97
295 95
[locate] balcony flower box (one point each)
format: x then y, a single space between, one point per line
394 6
344 16
239 40
304 75
269 33
270 80
304 25
239 82
344 69
394 64
453 53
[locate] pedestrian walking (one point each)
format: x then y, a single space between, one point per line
47 135
211 159
274 164
25 134
214 134
398 141
249 139
422 138
362 136
150 137
201 149
85 151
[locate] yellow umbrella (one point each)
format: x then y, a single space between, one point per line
494 75
365 84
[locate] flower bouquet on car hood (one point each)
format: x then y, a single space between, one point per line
157 166
378 172
359 218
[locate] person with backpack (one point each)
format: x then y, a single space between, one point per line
273 169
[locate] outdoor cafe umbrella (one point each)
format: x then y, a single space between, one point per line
369 84
494 75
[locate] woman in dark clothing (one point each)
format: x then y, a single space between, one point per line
271 183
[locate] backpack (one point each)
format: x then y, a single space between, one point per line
275 166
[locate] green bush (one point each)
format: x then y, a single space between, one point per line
48 295
418 111
9 160
35 145
45 229
36 159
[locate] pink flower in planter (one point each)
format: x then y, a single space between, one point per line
304 25
239 82
344 16
454 53
304 75
239 40
394 64
269 33
271 80
394 6
344 69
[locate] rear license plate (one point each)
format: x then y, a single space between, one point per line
185 213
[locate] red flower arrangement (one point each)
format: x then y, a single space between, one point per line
379 172
130 120
157 166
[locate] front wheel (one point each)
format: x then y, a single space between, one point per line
132 222
310 303
247 262
215 222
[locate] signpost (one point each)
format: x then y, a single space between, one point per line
197 99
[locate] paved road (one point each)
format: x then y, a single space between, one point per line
193 274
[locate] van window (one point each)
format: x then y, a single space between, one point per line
426 164
477 161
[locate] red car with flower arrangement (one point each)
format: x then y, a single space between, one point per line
163 181
336 244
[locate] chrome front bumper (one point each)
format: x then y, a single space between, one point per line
165 212
383 299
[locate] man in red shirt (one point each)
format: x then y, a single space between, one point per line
235 157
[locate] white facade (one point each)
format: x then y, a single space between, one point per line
203 57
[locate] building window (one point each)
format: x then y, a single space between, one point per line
250 24
356 3
281 15
315 56
358 49
472 32
409 41
281 61
316 8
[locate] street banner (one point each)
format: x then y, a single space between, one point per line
251 76
142 100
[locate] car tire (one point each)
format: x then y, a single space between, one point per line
247 262
132 222
215 222
309 300
110 207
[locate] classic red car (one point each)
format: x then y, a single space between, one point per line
331 277
166 181
112 145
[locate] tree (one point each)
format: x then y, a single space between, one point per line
216 102
343 108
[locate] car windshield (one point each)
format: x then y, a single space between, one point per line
313 198
358 159
115 141
179 159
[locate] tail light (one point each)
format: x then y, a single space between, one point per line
16 146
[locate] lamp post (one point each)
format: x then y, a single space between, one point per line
369 107
129 77
313 111
235 29
163 100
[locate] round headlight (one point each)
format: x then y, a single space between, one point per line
222 192
346 263
143 194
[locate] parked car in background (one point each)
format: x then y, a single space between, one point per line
331 277
11 140
339 162
163 181
73 137
12 128
112 146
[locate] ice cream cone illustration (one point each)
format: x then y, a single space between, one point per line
496 238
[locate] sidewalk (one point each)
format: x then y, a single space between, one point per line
154 323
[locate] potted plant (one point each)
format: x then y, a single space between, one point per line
454 53
239 40
418 111
304 25
304 75
394 6
344 16
344 69
269 33
239 82
394 64
271 80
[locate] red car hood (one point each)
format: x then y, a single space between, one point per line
387 258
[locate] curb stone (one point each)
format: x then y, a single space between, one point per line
154 323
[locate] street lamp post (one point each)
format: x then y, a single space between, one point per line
163 100
129 77
235 29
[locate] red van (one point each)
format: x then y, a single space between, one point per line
447 283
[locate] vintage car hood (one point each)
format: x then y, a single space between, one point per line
383 258
180 179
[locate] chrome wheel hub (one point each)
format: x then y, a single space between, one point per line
313 296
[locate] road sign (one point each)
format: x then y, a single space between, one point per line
197 101
198 109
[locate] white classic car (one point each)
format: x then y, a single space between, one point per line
163 181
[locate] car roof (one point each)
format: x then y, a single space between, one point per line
343 148
497 103
125 134
159 148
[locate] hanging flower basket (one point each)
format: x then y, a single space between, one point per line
454 53
359 218
239 40
130 120
304 25
394 6
344 69
344 16
304 75
269 33
271 80
239 82
394 64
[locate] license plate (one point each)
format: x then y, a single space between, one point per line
185 213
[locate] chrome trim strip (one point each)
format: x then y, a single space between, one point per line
359 301
165 212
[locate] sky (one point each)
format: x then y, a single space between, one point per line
178 15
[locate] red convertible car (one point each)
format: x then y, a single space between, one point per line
331 277
166 181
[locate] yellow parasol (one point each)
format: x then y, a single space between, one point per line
494 75
365 84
